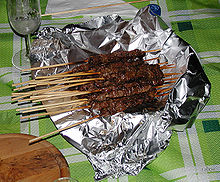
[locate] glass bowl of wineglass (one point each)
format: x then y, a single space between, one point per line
24 16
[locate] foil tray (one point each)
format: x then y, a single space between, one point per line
125 142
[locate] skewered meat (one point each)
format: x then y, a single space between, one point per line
116 56
129 82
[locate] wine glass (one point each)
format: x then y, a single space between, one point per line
25 18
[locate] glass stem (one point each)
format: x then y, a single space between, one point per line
28 44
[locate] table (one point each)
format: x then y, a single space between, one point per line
192 155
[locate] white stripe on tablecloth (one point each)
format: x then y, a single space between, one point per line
209 54
4 99
173 174
153 2
8 77
209 57
8 106
211 108
24 126
16 48
76 158
214 176
5 28
197 153
34 127
211 177
208 115
4 25
189 168
5 31
5 70
195 11
112 180
164 12
13 74
123 178
182 180
210 60
193 17
69 151
16 44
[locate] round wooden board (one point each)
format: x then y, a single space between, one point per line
20 161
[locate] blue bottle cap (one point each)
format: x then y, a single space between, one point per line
155 9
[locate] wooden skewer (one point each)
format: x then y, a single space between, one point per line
164 90
39 99
24 87
54 94
22 83
50 105
167 64
155 50
167 79
30 81
57 106
161 86
162 94
69 81
55 112
21 97
151 59
166 67
50 66
171 74
39 81
68 75
16 94
169 82
60 130
162 63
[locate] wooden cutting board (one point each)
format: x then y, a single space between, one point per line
20 161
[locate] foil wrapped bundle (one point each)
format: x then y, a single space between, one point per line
125 142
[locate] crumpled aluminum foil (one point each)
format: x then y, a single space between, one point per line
126 142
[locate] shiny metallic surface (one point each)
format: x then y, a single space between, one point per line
125 142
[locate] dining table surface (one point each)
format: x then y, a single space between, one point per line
193 155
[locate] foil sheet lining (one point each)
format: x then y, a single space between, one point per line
126 142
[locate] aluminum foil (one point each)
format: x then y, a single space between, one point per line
125 142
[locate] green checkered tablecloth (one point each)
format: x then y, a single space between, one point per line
192 155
